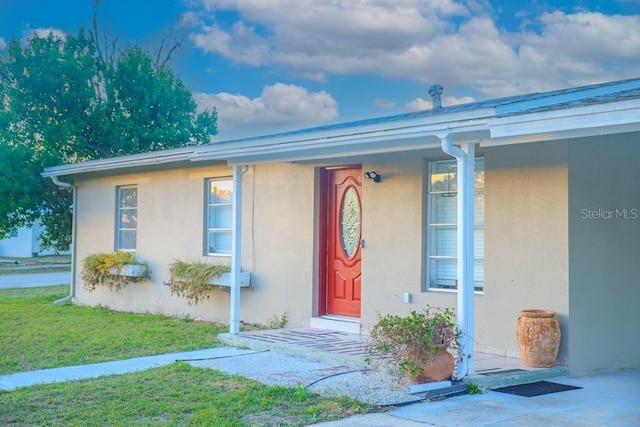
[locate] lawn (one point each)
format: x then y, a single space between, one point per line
37 334
43 264
175 395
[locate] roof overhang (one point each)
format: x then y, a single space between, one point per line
380 138
576 122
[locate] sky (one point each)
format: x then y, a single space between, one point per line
270 66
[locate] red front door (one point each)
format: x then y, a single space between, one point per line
343 236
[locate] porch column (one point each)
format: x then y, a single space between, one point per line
466 267
236 249
465 156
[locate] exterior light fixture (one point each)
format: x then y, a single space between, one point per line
374 176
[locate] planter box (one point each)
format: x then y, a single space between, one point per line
129 270
225 279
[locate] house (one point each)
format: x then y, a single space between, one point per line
25 242
339 223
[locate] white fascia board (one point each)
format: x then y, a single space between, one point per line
580 121
358 141
135 160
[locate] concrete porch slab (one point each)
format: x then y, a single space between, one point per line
491 371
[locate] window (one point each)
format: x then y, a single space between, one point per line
219 216
127 219
442 225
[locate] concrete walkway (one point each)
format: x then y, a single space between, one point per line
610 398
54 375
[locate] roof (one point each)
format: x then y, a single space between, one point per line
611 107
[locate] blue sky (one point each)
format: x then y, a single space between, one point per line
277 65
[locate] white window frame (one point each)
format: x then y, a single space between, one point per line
120 209
208 229
433 282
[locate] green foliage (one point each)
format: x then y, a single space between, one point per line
177 395
97 270
191 279
473 388
63 100
401 341
276 322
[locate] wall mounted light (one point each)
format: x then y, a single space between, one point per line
373 175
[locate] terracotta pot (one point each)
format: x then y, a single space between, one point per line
538 334
438 369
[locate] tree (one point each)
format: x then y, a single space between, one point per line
64 99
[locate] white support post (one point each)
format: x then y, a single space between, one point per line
466 267
236 250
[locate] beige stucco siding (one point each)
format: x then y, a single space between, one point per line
278 245
526 246
279 221
604 241
170 226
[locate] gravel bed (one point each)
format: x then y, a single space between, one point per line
375 387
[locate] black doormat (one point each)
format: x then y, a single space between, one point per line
538 388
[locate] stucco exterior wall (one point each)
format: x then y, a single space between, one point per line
392 227
278 245
604 242
170 226
526 243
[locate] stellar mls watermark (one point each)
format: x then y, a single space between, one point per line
605 214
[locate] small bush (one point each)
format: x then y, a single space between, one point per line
191 280
96 270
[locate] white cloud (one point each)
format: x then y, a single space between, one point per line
3 44
383 103
453 43
43 33
279 104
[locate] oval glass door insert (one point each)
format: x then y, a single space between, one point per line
350 222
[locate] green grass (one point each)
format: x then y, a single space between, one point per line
43 264
36 334
175 395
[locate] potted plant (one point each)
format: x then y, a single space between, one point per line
193 280
112 269
416 346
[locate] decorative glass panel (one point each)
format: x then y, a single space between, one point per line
350 222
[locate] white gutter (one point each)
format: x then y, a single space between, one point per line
465 156
72 284
236 250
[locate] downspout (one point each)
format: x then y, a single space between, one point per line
236 249
74 226
464 156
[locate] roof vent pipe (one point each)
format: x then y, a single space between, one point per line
435 91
